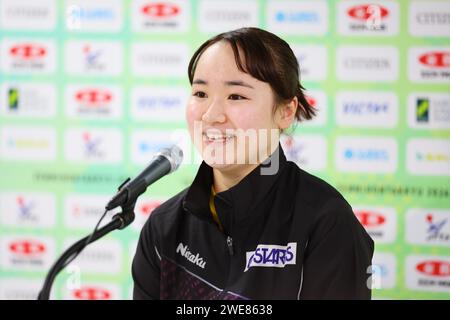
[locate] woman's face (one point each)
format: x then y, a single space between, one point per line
230 113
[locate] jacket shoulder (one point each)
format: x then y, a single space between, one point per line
322 203
167 213
328 209
313 190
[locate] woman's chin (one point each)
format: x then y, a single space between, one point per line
220 165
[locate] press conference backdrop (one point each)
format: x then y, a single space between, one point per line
90 90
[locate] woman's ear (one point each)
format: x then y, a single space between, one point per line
287 113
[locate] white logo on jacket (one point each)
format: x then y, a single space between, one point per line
195 259
267 255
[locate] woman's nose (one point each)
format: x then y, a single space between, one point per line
214 113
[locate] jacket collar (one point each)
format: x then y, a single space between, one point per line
235 204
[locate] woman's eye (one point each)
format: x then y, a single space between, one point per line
237 97
200 94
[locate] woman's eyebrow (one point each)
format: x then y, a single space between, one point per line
199 81
238 83
228 83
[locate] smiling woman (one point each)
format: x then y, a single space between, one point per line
252 225
251 96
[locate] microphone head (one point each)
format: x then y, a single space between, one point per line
175 156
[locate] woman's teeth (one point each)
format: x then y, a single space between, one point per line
219 137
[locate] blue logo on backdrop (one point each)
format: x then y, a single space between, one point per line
367 154
91 145
297 17
434 230
25 208
152 102
365 107
79 13
151 147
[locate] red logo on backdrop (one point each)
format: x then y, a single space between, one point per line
434 268
27 51
91 293
365 11
76 210
436 59
27 247
93 97
160 10
148 207
370 219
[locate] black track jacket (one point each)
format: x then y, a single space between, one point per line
288 235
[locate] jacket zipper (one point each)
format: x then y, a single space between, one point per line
230 245
229 241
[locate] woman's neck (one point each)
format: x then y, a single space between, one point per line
224 180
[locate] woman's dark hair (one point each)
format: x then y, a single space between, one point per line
267 58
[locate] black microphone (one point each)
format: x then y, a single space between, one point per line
165 162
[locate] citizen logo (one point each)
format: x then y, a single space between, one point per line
367 63
429 18
193 258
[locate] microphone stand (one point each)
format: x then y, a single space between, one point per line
119 221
